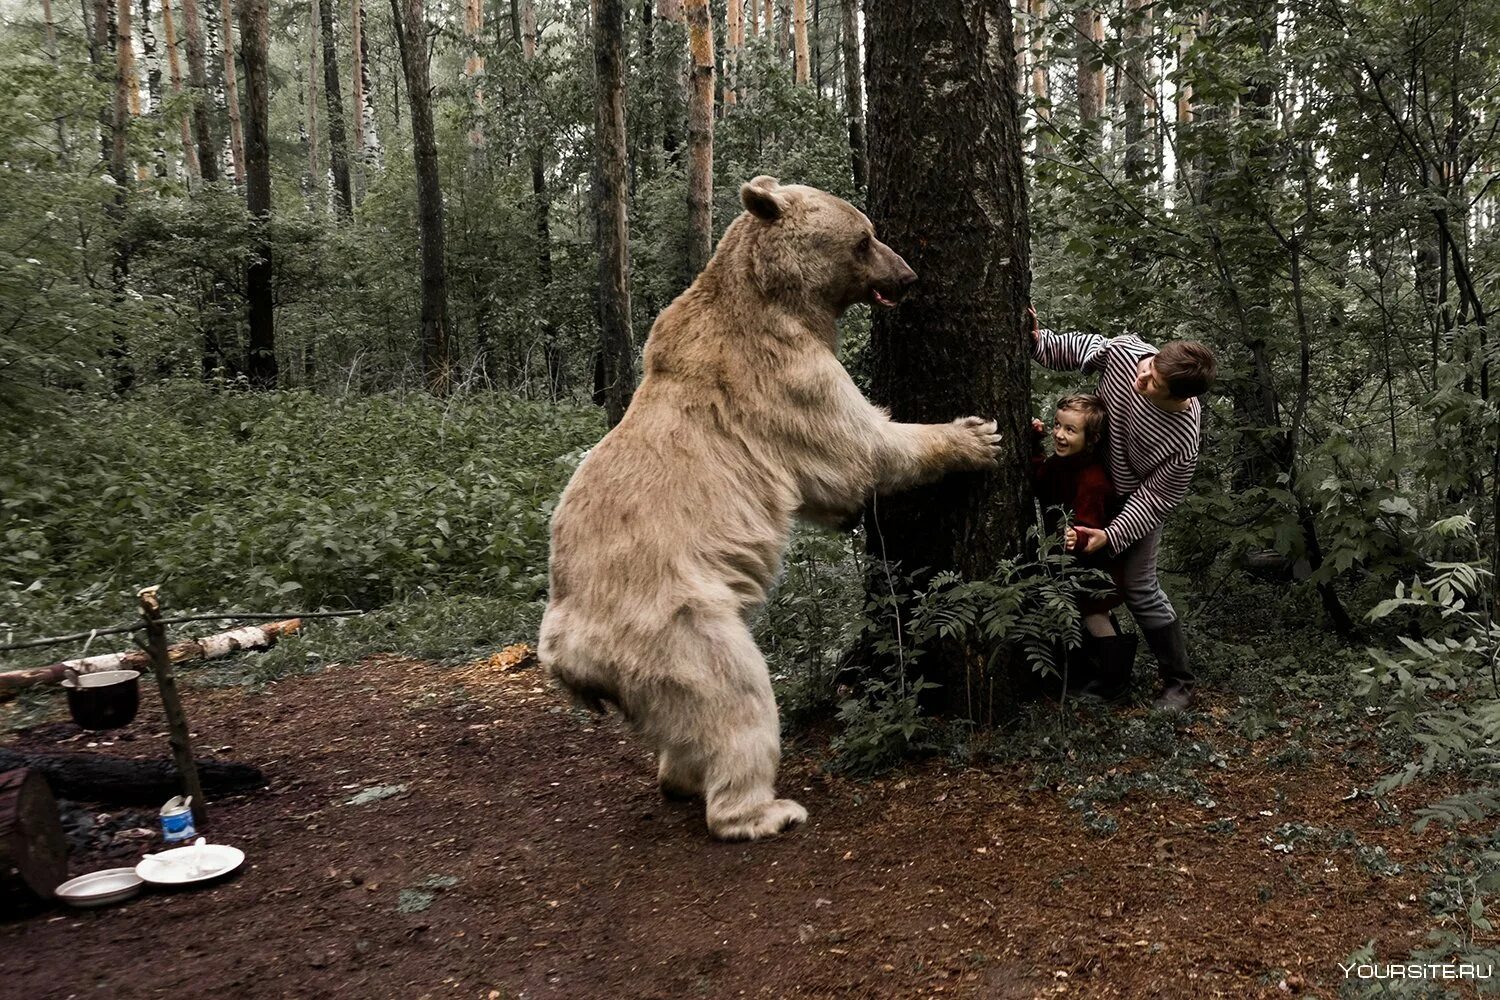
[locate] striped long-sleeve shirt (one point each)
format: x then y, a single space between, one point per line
1152 452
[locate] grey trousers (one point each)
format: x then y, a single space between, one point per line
1135 576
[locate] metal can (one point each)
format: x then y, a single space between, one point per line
177 819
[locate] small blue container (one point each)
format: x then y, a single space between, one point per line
177 820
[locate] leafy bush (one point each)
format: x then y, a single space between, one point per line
234 499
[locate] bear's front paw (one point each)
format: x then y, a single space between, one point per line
976 443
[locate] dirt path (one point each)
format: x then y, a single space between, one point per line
530 856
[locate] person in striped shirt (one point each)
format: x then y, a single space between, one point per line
1151 396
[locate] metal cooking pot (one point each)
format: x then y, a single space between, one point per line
104 700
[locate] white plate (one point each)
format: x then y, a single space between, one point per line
179 866
100 888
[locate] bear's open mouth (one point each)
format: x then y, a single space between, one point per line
881 299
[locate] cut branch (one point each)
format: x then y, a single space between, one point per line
209 648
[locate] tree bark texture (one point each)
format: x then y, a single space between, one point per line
338 141
127 781
232 97
1040 97
124 87
734 32
799 28
524 26
33 850
700 171
174 70
367 136
255 42
1087 32
437 364
208 166
854 92
1138 155
947 192
616 367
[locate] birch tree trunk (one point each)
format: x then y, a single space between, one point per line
174 70
437 364
338 142
615 372
254 31
947 192
367 136
700 172
854 92
53 58
232 97
208 166
734 30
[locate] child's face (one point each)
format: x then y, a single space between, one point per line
1068 434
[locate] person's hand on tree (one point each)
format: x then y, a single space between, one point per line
1033 324
1089 540
1037 427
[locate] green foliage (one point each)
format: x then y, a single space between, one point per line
230 498
882 727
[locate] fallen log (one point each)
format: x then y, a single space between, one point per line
33 853
208 648
97 777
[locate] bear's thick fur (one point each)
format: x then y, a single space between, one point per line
674 526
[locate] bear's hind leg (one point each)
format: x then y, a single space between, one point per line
741 749
679 773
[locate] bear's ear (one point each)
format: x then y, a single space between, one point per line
761 200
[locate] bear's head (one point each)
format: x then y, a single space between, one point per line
810 246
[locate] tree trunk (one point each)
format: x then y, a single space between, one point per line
854 92
124 373
473 71
437 365
524 24
33 851
367 137
338 143
615 371
174 70
1137 33
232 96
53 56
799 28
672 44
208 166
700 172
314 191
1087 27
734 29
111 780
947 191
1040 97
254 28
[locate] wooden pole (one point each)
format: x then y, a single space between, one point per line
166 682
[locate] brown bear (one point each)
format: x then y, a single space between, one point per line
674 525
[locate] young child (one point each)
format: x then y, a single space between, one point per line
1074 479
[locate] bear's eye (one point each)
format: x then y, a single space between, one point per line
863 246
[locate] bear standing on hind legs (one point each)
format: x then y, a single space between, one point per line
674 525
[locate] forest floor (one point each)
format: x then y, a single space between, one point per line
521 850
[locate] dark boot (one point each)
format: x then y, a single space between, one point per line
1113 658
1170 647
